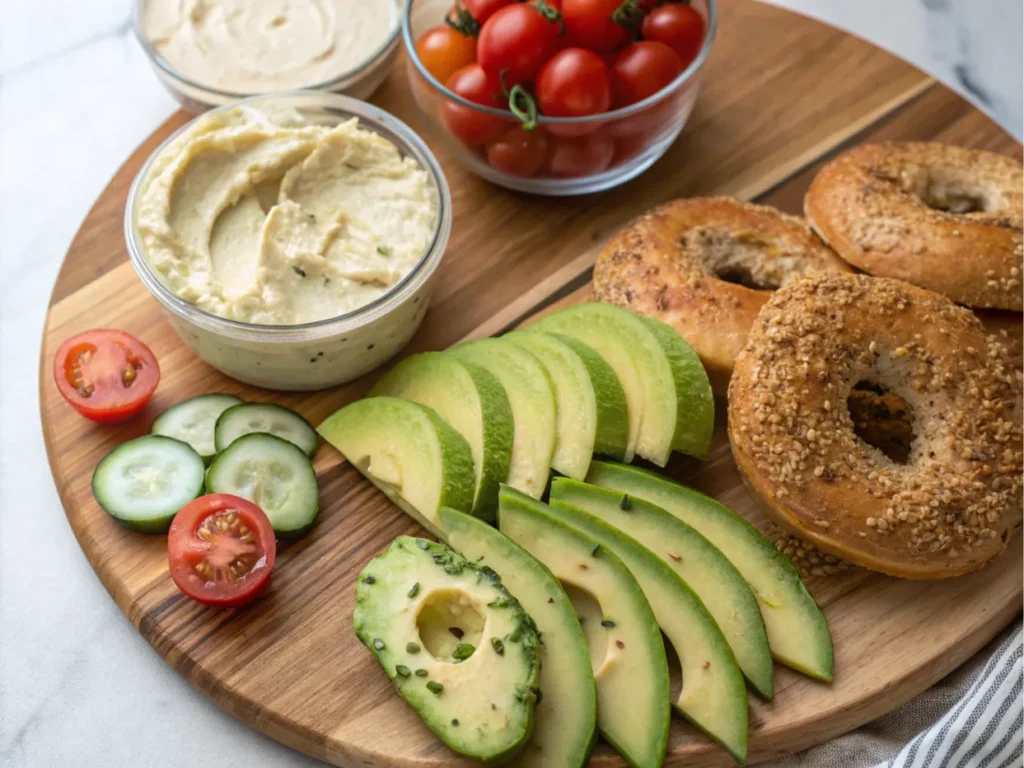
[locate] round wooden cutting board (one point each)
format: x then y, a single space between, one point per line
781 93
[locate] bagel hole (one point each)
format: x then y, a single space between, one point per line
743 258
951 197
882 419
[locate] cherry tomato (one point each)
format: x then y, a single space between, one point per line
517 40
470 126
583 156
574 83
444 50
106 375
679 27
641 70
482 10
595 24
221 550
519 152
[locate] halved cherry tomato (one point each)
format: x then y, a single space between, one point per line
106 375
221 550
469 126
641 70
573 83
444 50
678 26
583 156
519 152
517 40
600 25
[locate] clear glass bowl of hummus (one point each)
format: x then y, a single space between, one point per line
613 146
209 53
291 239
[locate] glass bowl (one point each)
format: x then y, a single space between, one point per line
624 142
320 354
195 97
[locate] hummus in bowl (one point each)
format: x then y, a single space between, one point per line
291 238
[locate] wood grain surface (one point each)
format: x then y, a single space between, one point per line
781 94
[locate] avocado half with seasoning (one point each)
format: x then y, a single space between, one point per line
715 581
567 707
458 647
408 451
627 654
534 416
668 395
591 405
473 402
798 633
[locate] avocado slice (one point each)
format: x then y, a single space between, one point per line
590 403
706 571
713 696
566 711
798 633
472 401
668 394
532 399
408 452
458 647
626 650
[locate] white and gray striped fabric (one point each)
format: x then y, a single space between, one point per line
972 719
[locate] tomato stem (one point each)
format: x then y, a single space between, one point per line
550 13
527 113
463 22
629 15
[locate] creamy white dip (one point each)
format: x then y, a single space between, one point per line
264 218
258 46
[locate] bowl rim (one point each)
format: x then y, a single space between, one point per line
382 305
222 95
684 77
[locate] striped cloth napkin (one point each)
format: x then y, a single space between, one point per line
972 719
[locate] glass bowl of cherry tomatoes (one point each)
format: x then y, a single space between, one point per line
557 97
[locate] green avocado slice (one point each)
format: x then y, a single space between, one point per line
472 401
532 399
477 700
408 451
712 696
566 711
798 633
668 395
704 569
626 650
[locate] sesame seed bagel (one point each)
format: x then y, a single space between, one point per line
945 218
954 504
706 266
1008 327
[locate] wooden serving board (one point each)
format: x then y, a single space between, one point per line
781 93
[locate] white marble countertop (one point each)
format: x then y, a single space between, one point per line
78 686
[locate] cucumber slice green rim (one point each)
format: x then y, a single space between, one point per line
268 418
273 474
193 420
143 483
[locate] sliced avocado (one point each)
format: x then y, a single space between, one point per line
435 621
590 403
566 711
408 452
668 394
532 399
713 696
626 650
472 401
706 571
798 633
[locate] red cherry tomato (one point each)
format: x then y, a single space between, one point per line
678 26
519 152
470 126
444 50
221 550
517 40
641 70
574 83
595 24
583 156
482 10
106 375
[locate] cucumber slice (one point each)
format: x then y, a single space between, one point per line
268 418
144 482
273 474
192 421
